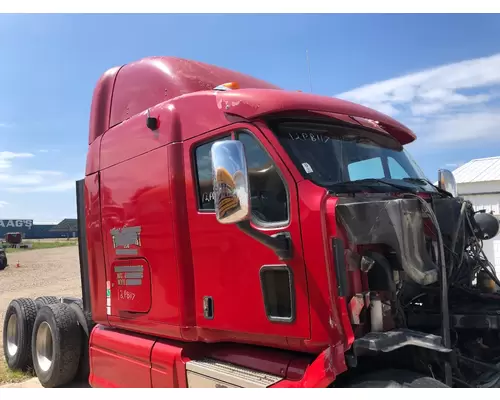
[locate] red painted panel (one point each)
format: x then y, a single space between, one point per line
100 110
210 116
227 264
256 103
136 193
168 360
152 80
211 335
168 368
92 166
130 286
124 92
139 324
119 359
95 252
310 198
338 304
112 352
329 319
182 239
268 360
320 374
133 138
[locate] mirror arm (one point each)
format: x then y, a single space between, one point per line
280 243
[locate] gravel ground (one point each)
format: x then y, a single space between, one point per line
44 272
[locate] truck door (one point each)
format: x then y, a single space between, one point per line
242 287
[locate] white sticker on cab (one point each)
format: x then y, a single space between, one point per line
307 168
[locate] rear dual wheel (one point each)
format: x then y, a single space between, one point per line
17 333
44 334
45 300
56 345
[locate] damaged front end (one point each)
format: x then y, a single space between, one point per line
417 255
395 224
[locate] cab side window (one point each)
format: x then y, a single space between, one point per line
204 182
268 192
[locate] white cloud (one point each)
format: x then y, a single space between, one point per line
3 203
463 127
20 179
45 172
6 158
450 103
61 186
32 180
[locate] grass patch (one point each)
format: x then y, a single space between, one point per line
8 376
45 245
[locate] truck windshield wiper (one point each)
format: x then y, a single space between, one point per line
423 181
360 184
420 181
352 186
384 182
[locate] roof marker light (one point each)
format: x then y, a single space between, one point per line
369 121
228 86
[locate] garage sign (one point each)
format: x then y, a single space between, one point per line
16 223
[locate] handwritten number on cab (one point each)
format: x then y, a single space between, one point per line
308 136
126 295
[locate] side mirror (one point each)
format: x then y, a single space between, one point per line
230 177
446 181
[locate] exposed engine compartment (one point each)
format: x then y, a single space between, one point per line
422 268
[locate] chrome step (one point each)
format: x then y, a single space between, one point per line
210 373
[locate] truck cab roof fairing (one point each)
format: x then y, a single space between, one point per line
256 103
125 91
128 90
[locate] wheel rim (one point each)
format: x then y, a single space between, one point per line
44 346
12 345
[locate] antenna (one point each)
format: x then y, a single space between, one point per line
309 70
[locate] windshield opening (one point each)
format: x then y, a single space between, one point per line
333 155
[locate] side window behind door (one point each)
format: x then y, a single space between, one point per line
204 175
268 192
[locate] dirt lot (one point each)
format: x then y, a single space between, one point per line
42 272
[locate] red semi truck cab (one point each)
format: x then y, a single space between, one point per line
256 283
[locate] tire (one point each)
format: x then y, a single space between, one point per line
87 314
56 345
83 371
3 261
45 300
84 366
17 331
396 378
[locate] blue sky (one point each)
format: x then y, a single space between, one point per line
447 87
